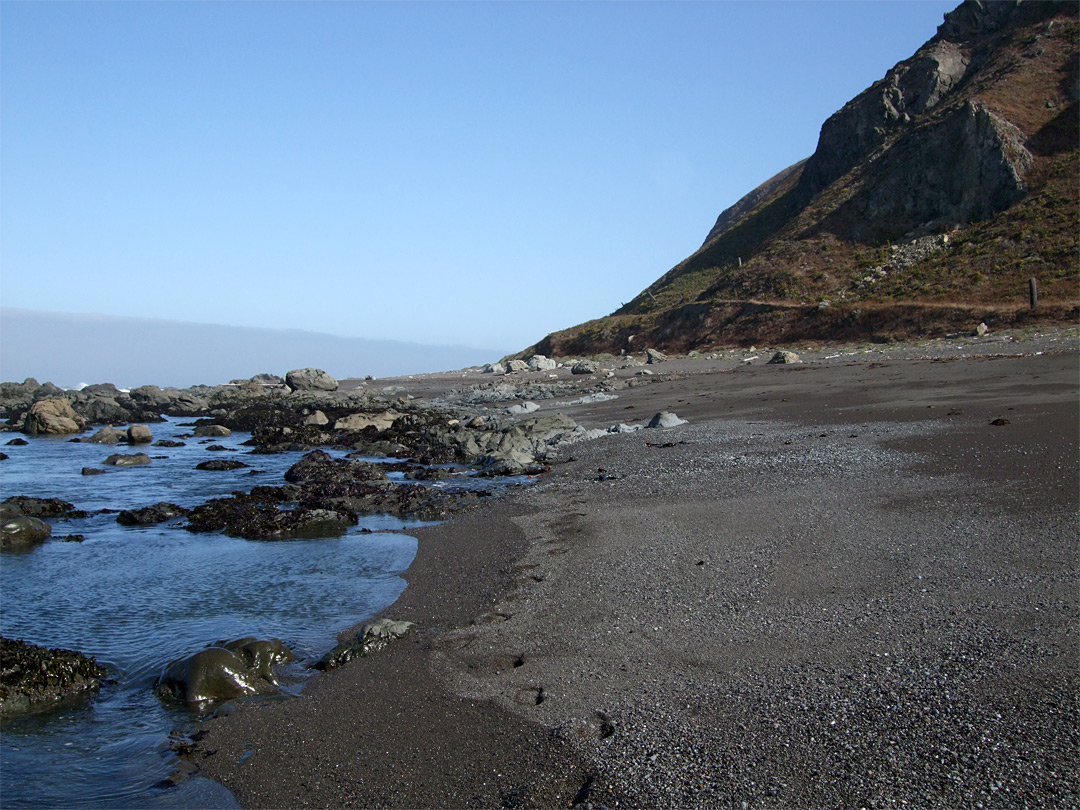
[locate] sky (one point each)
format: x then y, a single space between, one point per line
452 173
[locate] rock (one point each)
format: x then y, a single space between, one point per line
643 372
107 435
255 516
168 443
665 419
139 434
53 416
784 357
186 404
149 515
212 430
522 409
373 636
310 379
516 366
36 507
237 669
36 679
584 367
318 418
494 368
319 466
151 396
18 442
22 531
653 356
981 330
91 471
360 421
540 363
131 460
221 464
4 456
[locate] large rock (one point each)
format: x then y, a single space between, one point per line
516 366
654 356
584 367
149 515
217 431
494 368
139 434
34 679
37 507
107 435
22 531
784 356
221 465
319 466
238 669
665 419
310 379
540 363
360 421
130 460
256 516
53 416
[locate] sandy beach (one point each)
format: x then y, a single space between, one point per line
846 582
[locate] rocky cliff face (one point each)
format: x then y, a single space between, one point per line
975 137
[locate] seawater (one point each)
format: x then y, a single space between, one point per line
137 598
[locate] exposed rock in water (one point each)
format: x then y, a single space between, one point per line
130 460
37 507
235 669
21 531
373 636
53 416
319 466
148 515
34 679
256 516
212 430
107 435
221 464
91 471
139 434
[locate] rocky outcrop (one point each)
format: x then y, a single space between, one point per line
257 516
236 669
310 379
221 464
34 679
149 515
38 507
53 416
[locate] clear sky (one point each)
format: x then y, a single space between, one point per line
443 172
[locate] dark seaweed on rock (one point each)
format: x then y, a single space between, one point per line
256 516
34 678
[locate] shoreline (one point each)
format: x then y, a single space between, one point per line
536 677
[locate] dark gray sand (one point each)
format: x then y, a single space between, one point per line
838 586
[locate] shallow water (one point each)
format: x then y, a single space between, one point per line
137 598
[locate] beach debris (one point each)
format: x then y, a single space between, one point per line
981 330
666 419
373 636
999 422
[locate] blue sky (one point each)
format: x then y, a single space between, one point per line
450 173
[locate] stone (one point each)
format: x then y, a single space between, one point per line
373 636
360 421
107 435
221 464
522 409
91 471
131 460
516 366
53 416
149 515
22 531
237 669
540 363
318 419
644 372
212 430
585 367
139 434
310 379
18 442
981 330
38 679
665 419
653 356
494 368
784 357
35 507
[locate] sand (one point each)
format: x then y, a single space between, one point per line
838 585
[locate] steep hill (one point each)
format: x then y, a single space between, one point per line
931 200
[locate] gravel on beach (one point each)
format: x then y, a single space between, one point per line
847 585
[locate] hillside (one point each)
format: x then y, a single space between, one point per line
931 200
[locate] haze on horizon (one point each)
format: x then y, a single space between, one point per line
456 174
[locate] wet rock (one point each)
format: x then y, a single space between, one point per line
107 435
784 357
256 516
4 456
221 465
91 471
168 443
18 442
584 367
73 538
36 507
34 679
665 419
139 434
310 379
53 416
149 515
237 669
21 531
212 430
319 466
129 460
373 636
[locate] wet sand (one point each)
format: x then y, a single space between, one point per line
838 585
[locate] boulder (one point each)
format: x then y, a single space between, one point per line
256 516
310 379
37 679
516 366
130 460
22 531
212 430
236 669
150 396
540 363
107 435
139 434
318 419
665 419
221 464
653 356
53 416
187 404
149 515
522 409
35 507
784 357
319 466
360 421
373 636
494 368
585 367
